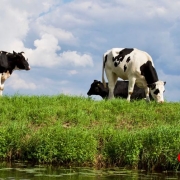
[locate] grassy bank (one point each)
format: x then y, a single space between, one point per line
80 131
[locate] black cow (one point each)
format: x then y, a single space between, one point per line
10 62
120 90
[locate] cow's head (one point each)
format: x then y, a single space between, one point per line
21 62
157 89
97 88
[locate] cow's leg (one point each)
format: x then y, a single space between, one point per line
131 87
1 85
147 94
112 79
3 78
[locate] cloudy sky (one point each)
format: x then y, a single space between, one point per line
64 41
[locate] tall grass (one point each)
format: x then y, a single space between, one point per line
72 130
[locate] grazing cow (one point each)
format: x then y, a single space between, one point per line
120 90
133 65
10 62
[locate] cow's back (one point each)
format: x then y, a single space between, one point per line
128 64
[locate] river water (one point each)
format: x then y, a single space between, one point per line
19 171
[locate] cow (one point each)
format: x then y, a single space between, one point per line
120 90
137 67
10 62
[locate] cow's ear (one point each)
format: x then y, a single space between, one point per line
164 82
14 53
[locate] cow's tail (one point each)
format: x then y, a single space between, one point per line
103 66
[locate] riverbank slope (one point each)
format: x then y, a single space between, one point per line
74 130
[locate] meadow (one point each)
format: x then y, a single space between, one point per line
80 131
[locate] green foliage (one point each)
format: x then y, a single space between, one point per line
160 147
63 146
123 149
81 131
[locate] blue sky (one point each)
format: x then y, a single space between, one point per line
65 40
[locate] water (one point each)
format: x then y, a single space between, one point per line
19 171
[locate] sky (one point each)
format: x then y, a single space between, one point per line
64 41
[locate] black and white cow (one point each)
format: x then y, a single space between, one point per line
10 62
133 65
120 90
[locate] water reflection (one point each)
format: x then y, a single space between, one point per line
19 171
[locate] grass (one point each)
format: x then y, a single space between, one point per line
74 130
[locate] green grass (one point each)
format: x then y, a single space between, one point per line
73 130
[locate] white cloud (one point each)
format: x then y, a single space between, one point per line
72 72
45 54
14 26
76 59
86 13
63 36
33 7
16 82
